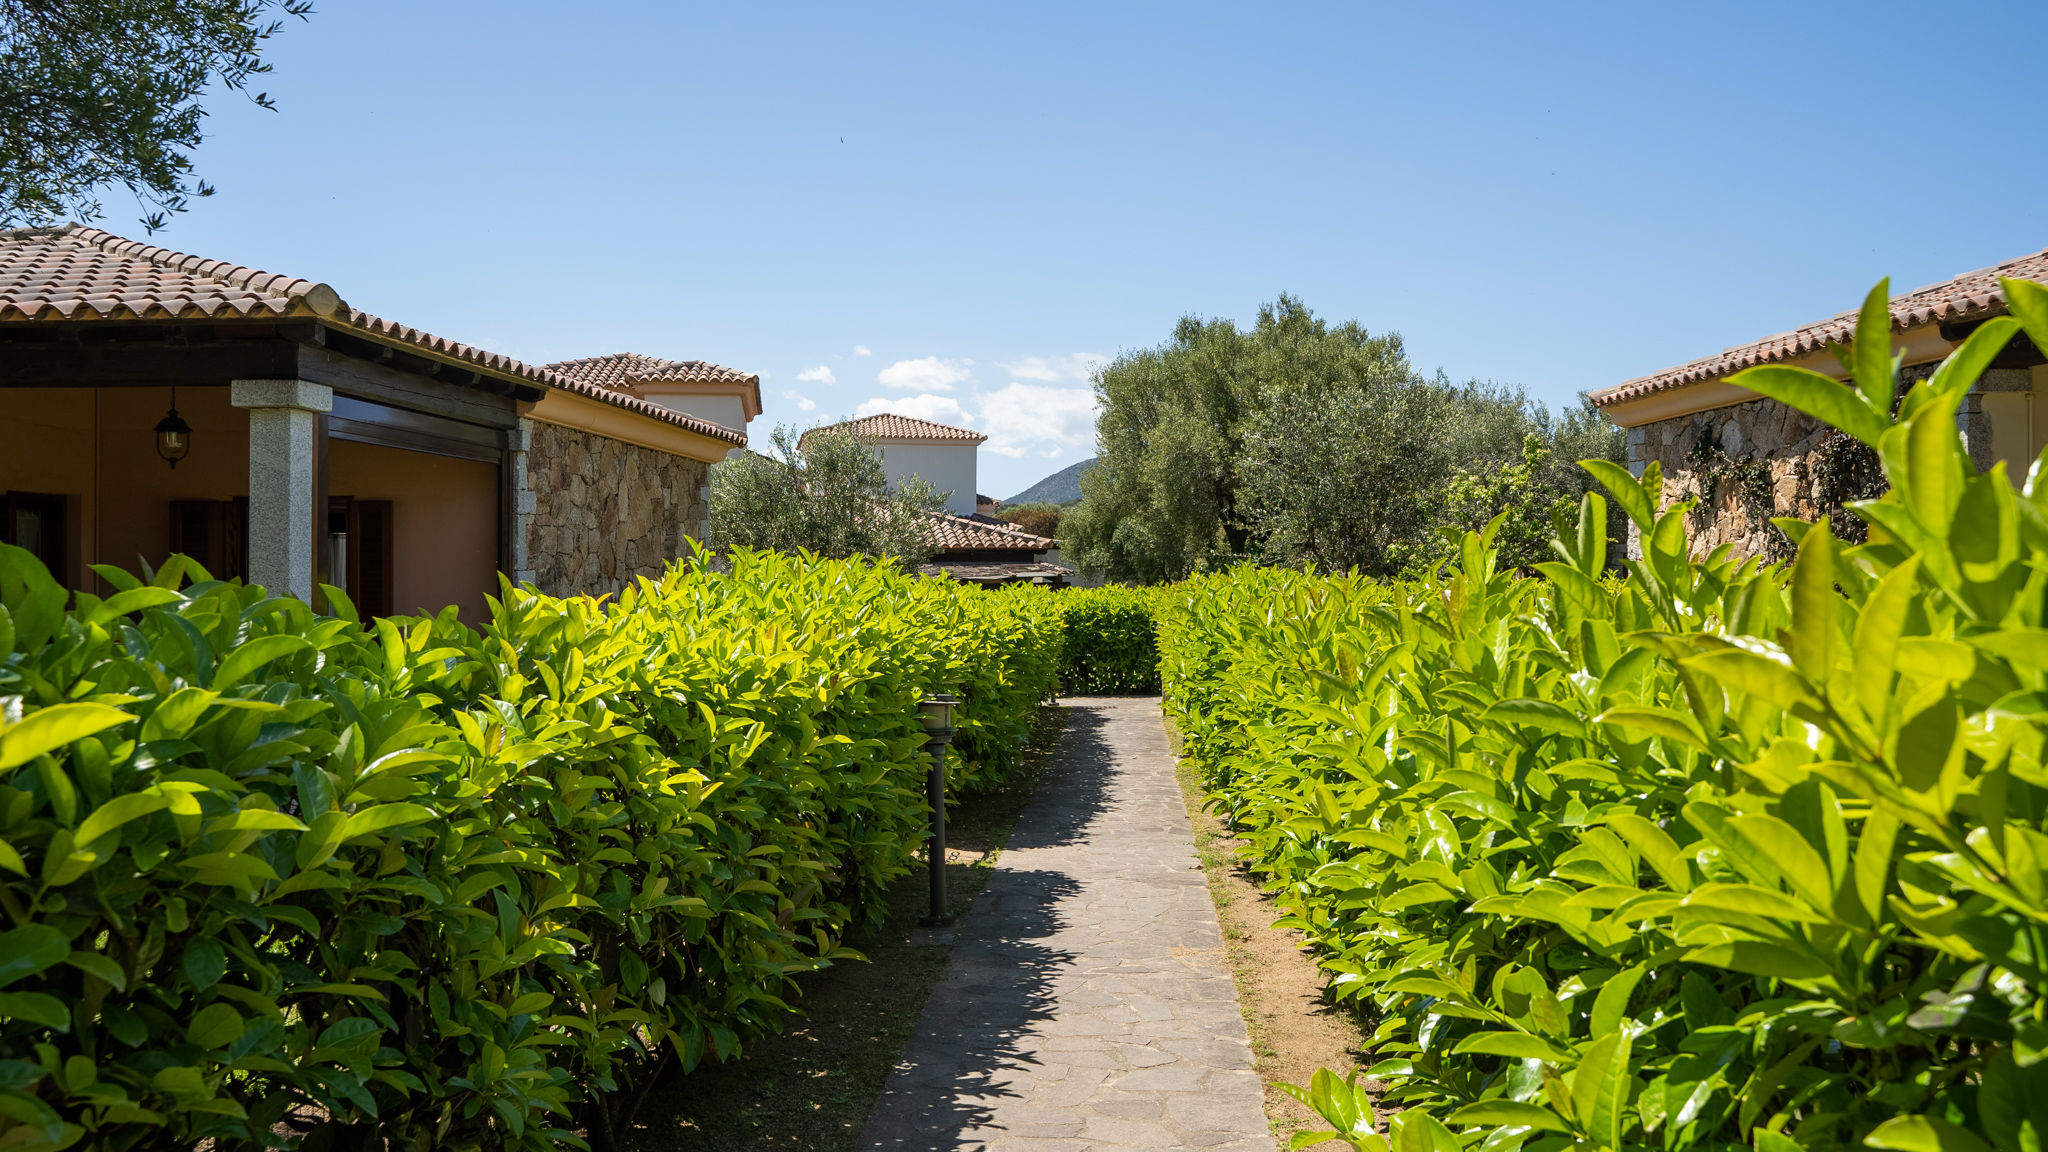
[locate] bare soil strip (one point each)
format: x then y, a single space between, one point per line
1293 1031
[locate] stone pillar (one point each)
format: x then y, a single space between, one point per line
524 501
1975 426
283 420
1638 462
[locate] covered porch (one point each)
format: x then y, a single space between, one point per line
399 509
278 482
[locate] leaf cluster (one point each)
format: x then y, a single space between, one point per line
277 879
1722 855
106 92
825 491
1111 643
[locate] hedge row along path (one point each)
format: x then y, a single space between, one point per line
1088 1004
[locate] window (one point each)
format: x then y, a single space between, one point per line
37 521
359 553
213 532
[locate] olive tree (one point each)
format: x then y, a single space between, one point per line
825 491
101 93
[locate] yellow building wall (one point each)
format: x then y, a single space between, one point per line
445 522
98 446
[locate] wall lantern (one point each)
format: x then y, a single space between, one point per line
173 435
936 712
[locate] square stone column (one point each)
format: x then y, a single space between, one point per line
519 442
283 421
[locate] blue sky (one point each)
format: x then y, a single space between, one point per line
957 210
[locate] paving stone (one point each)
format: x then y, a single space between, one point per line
1087 1006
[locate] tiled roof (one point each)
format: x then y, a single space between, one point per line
980 532
890 426
1971 296
75 273
998 571
621 370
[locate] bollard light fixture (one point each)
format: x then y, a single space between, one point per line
173 435
936 713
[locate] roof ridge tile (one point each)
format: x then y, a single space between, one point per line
1968 296
79 273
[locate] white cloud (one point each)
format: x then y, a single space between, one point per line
930 374
861 350
819 375
1078 366
803 403
938 409
1021 419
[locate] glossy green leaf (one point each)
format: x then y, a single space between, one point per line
48 729
1817 396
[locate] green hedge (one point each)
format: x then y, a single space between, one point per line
1111 646
460 888
1729 856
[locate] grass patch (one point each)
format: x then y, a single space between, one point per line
812 1087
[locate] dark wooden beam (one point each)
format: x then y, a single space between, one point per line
388 384
381 424
2019 352
197 363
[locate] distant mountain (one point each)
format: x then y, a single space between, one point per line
1062 487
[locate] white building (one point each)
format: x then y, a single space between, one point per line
942 454
724 396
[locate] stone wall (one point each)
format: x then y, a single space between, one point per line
1750 462
1746 463
594 512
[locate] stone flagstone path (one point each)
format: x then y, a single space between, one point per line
1087 1005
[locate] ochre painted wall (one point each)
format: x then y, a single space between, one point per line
48 444
445 522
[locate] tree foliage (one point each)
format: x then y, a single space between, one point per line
106 92
1343 477
1039 519
1298 441
1167 493
826 492
1517 493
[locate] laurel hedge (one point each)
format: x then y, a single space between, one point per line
266 872
1729 855
1111 646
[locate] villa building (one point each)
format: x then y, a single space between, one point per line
154 402
1750 458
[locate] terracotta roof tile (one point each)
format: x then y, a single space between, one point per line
1971 296
75 273
890 426
621 370
981 532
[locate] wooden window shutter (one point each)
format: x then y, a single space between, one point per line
370 567
213 532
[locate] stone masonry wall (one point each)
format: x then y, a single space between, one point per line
1728 457
1750 462
596 512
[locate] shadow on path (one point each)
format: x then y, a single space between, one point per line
1086 1003
1075 790
998 990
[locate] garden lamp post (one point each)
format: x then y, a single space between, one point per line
936 711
